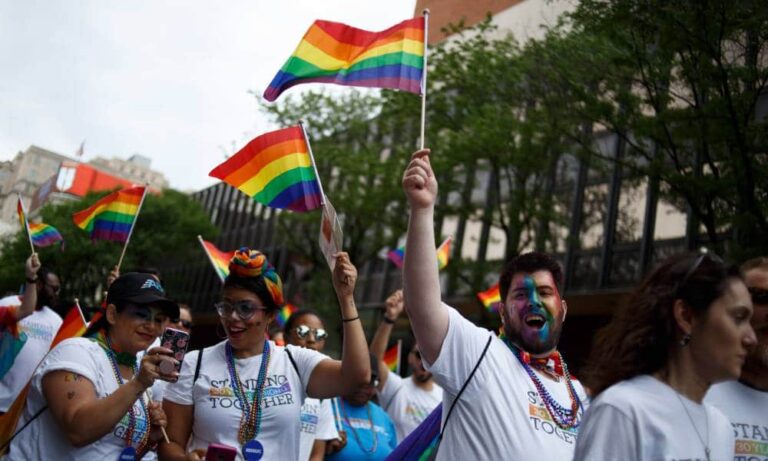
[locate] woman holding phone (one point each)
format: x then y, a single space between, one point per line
247 392
87 398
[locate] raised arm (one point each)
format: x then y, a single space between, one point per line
332 378
29 300
429 318
393 307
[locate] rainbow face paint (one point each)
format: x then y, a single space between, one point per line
534 312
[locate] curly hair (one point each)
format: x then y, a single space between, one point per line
529 263
641 334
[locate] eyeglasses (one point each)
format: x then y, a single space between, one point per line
245 309
146 313
759 295
302 331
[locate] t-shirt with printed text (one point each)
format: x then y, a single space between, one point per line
317 423
643 419
408 404
217 412
500 415
361 425
747 409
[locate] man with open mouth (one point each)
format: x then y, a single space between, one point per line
506 397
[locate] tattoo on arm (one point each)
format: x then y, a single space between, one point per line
70 395
72 377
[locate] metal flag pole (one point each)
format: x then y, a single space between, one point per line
130 232
424 79
314 164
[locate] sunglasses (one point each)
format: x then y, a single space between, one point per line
146 314
302 331
704 254
759 295
245 309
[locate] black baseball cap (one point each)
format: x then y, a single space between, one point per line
139 288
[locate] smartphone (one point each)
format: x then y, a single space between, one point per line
218 452
178 342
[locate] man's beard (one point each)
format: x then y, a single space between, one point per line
538 347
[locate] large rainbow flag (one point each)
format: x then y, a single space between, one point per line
397 256
112 217
392 357
275 169
42 235
331 52
490 298
219 259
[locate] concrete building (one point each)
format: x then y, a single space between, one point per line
136 168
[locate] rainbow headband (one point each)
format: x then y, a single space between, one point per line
248 263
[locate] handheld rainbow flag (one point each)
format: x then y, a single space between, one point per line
112 217
73 325
331 52
490 298
397 256
219 259
21 210
392 357
276 169
285 313
44 235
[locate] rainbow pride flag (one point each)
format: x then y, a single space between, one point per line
275 169
392 357
73 326
42 235
490 298
219 259
112 217
285 313
397 256
331 52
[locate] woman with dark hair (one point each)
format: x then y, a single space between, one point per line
684 328
246 392
305 328
87 398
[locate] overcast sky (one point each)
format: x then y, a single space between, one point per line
165 79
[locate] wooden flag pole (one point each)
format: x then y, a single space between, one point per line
314 165
210 258
424 79
26 223
80 310
130 232
399 354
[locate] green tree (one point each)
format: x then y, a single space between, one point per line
165 231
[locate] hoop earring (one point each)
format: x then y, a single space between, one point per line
686 339
223 334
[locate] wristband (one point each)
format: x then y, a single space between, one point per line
29 280
350 320
389 320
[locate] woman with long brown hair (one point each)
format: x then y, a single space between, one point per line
684 328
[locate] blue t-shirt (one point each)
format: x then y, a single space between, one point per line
354 420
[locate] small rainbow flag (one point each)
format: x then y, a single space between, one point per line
72 326
219 259
331 52
285 313
392 357
275 169
490 298
397 256
42 235
112 217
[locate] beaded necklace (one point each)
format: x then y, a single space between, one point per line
250 421
354 431
564 418
103 340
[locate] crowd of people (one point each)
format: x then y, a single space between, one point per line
679 373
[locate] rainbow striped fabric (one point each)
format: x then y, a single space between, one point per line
72 326
275 169
490 298
392 357
42 235
331 52
397 256
219 259
285 313
112 217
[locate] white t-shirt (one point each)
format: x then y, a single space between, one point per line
747 408
217 411
500 415
40 328
43 438
643 419
408 404
317 423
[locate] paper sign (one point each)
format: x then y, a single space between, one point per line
331 236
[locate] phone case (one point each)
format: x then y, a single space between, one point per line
177 341
218 452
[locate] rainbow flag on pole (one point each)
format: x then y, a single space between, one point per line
285 313
219 259
331 52
42 235
275 169
392 357
112 217
490 298
397 256
73 326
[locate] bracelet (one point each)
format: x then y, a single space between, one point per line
29 280
350 320
389 320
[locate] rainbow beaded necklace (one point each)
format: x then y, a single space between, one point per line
250 421
564 418
354 431
103 340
